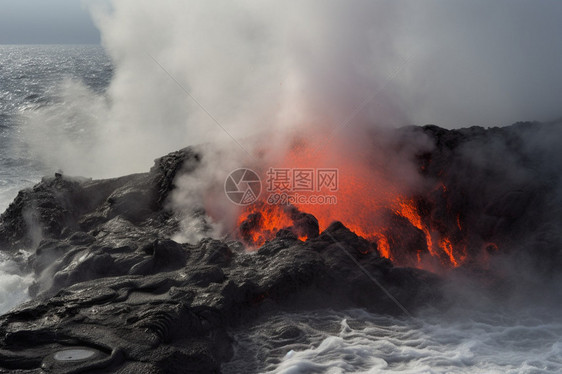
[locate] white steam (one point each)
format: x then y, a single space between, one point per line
14 284
255 66
199 201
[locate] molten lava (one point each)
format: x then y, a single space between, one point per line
365 195
383 246
444 249
447 247
260 222
407 209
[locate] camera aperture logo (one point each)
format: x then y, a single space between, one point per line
243 186
284 186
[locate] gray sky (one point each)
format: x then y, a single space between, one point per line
46 22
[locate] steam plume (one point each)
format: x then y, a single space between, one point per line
258 65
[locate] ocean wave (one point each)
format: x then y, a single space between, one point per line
467 342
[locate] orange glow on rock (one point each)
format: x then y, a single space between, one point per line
260 223
407 209
447 247
365 196
383 246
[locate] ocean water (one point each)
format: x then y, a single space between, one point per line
30 77
355 341
469 340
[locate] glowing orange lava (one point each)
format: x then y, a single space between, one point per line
447 247
407 209
260 222
264 222
365 195
359 195
383 246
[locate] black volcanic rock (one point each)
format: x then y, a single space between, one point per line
304 224
501 184
164 307
60 206
110 283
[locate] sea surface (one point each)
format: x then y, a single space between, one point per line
30 78
355 341
462 340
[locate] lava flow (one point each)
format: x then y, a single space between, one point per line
261 222
368 201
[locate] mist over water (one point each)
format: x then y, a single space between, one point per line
13 284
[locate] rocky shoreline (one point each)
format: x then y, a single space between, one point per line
114 293
110 281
